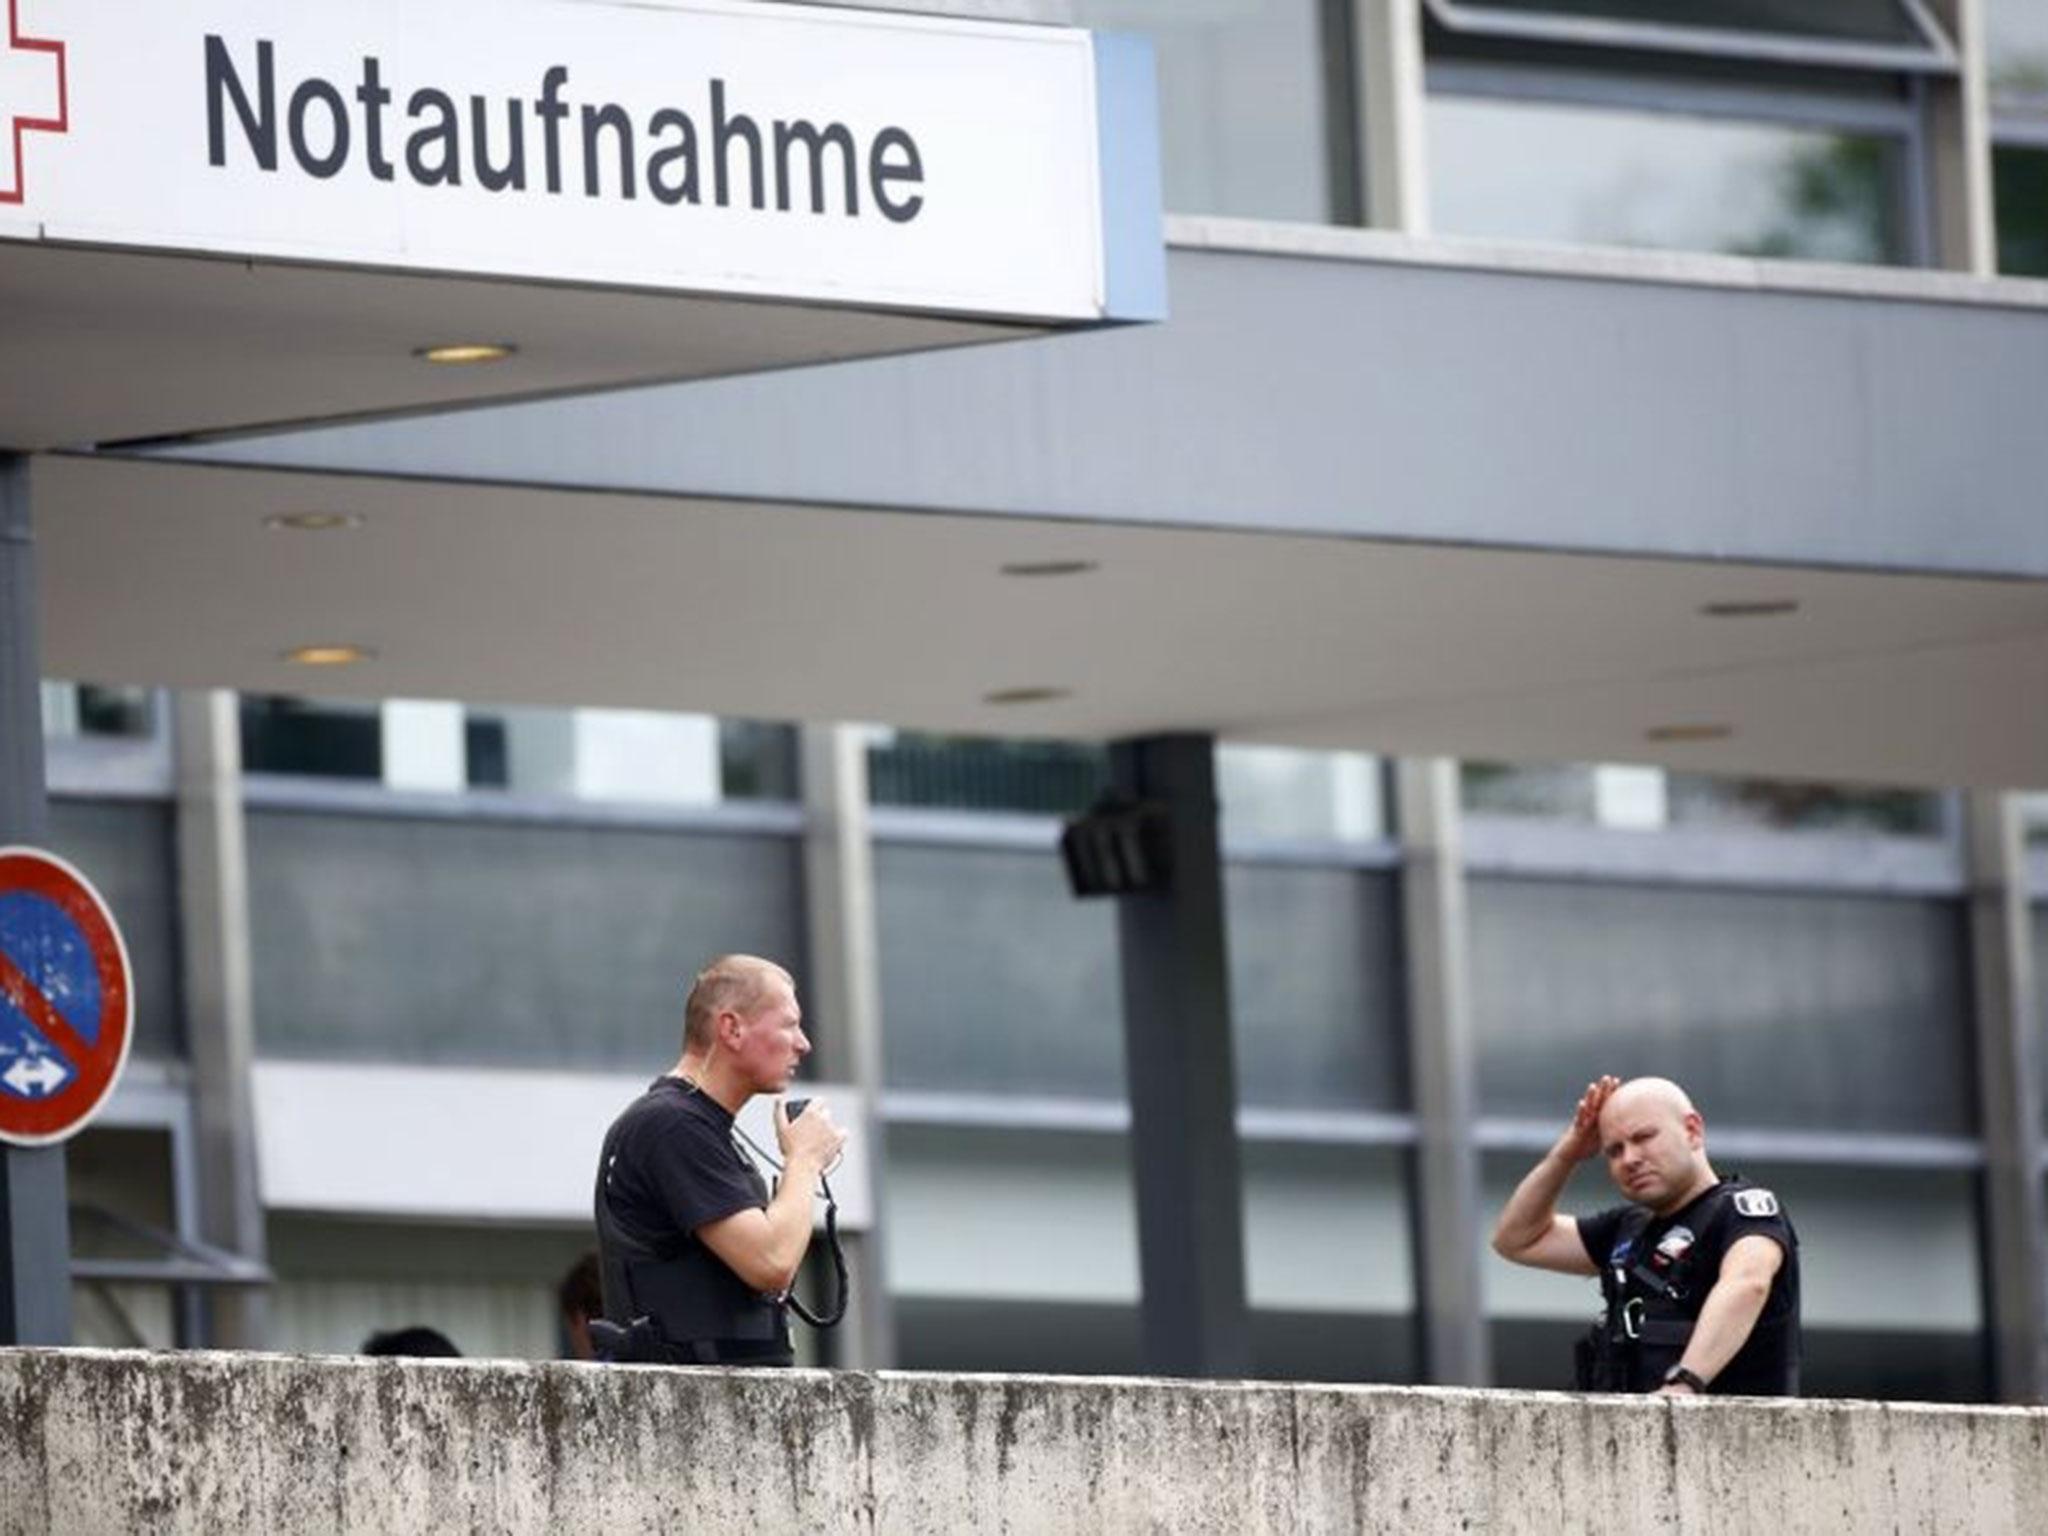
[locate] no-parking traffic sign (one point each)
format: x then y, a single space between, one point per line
67 1009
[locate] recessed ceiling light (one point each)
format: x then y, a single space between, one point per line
313 522
1751 608
329 655
466 352
1026 695
1049 567
1692 732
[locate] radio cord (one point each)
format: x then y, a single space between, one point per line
838 1312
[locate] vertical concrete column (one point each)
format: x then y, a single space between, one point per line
2005 1007
2005 1026
843 993
1445 1194
214 954
35 1225
1391 112
1958 147
1440 1050
1183 1086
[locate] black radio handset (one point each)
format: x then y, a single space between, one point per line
791 1108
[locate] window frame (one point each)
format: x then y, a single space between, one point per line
1901 120
2019 121
2027 132
1938 55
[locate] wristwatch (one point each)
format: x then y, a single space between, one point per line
1684 1377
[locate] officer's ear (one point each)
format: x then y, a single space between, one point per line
728 1027
1695 1129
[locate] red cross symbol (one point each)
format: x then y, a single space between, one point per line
33 95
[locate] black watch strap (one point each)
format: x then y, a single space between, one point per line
1691 1379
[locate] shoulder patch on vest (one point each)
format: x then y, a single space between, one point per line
1756 1203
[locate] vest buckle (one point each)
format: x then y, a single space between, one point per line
1632 1318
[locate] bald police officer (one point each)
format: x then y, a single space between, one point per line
1700 1274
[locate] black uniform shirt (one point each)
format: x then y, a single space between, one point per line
675 1168
1686 1249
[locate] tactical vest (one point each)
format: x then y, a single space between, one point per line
1652 1303
681 1309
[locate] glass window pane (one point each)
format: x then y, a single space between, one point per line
1243 107
758 760
1860 21
103 711
410 940
1595 176
1699 799
1782 1009
974 1004
1281 792
1647 799
322 737
2016 37
1315 987
2020 189
1552 791
72 710
976 773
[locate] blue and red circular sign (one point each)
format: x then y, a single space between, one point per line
67 1009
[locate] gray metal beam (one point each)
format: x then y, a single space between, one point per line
1437 973
35 1227
843 988
2006 1025
214 949
1444 1171
1644 403
2005 1005
1183 1088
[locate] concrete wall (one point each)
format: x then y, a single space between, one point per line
111 1441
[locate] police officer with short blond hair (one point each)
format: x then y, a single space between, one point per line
697 1256
1700 1274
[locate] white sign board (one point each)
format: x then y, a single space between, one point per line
696 145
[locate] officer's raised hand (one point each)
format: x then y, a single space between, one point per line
1530 1229
1581 1139
812 1139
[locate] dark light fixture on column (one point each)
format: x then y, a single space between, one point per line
1119 848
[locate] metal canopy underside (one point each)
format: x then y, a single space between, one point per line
1371 493
165 573
108 347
